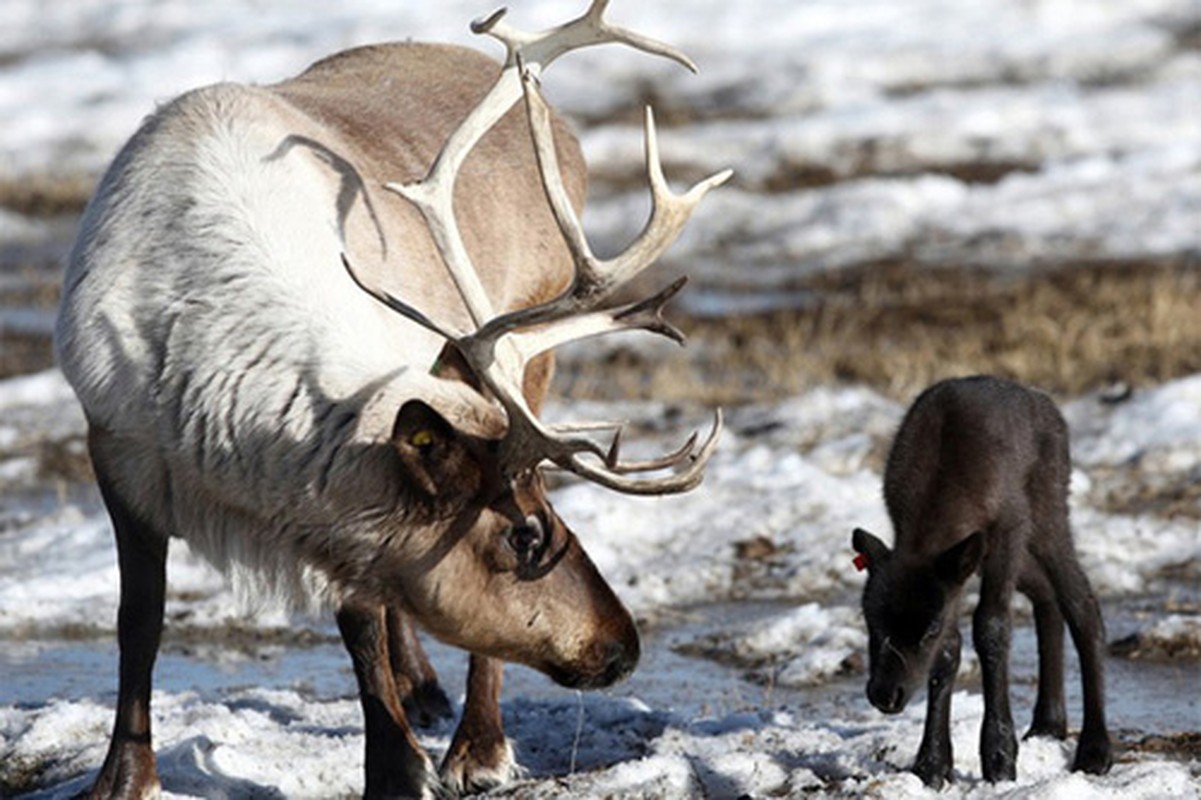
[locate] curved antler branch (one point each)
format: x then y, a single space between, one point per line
617 477
597 279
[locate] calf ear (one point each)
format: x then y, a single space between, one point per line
957 563
870 547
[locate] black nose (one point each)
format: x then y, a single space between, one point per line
621 660
890 699
613 660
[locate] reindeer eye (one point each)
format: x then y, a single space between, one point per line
422 438
932 631
527 540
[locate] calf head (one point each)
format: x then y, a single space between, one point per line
910 604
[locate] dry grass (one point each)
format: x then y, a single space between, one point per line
21 354
899 328
1128 489
46 194
34 287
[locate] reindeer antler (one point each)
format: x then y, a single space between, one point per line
501 346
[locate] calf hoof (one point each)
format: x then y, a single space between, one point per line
471 767
427 705
998 766
1093 755
1050 729
934 774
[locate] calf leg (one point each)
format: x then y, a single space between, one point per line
479 756
416 682
935 761
395 764
129 769
1083 613
1050 718
991 631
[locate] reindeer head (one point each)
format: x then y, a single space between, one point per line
523 588
910 606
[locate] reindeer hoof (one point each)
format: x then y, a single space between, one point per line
409 775
128 771
468 768
1094 756
427 705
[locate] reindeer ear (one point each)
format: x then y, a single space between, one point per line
957 563
451 365
425 442
874 551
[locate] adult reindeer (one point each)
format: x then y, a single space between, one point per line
245 393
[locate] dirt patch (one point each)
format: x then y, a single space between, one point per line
860 161
868 164
1132 491
239 638
23 354
1172 639
181 637
65 460
1182 746
19 775
31 286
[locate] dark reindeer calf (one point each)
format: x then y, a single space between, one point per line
977 481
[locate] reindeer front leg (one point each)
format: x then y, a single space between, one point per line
991 633
129 769
935 760
416 682
395 764
479 756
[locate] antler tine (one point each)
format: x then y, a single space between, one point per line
615 464
596 279
618 479
644 315
591 28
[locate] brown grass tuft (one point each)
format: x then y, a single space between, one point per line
32 287
46 194
899 328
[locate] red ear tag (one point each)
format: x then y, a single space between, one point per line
860 561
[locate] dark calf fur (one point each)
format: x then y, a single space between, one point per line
977 481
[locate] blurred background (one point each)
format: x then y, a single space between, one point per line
922 189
